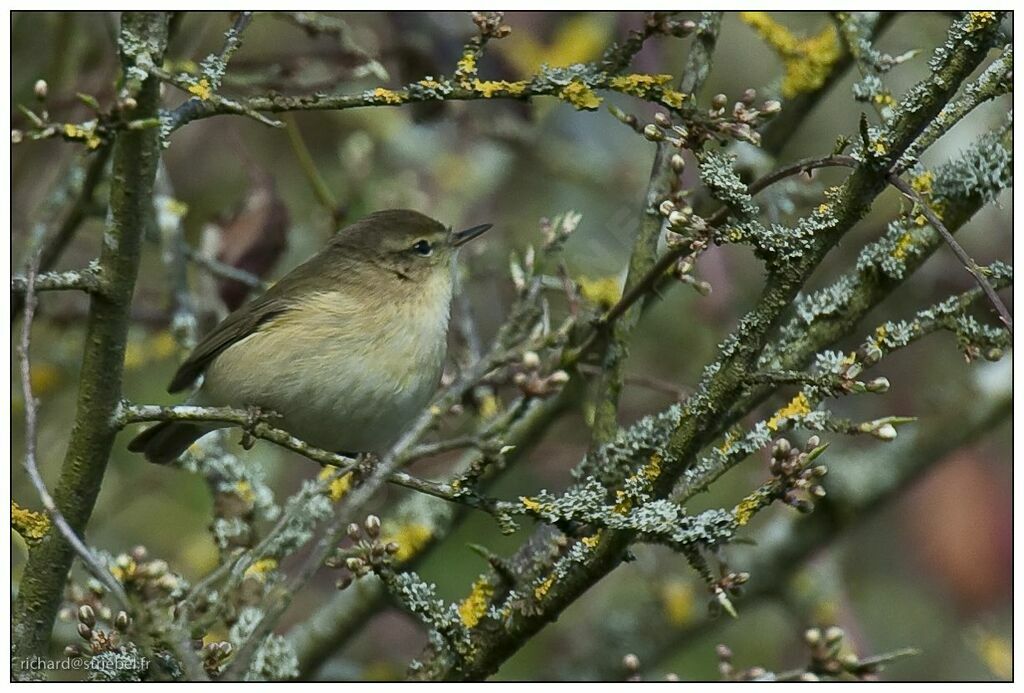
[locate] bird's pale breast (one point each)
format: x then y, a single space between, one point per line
343 377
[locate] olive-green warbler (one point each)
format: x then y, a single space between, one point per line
347 348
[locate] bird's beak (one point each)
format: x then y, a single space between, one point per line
461 237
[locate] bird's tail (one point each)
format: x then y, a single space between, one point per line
165 441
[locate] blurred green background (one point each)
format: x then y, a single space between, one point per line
932 570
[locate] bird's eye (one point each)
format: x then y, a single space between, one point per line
422 248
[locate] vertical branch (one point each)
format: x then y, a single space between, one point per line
645 246
135 156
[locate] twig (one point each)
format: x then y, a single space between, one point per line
223 103
220 269
89 560
87 280
669 258
990 84
640 381
966 260
321 189
53 247
91 438
251 422
446 445
316 23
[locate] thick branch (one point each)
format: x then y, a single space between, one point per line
135 156
725 380
644 254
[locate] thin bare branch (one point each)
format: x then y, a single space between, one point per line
92 562
966 260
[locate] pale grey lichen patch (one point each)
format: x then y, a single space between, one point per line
718 174
275 660
985 169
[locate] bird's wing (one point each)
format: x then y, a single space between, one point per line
235 327
278 299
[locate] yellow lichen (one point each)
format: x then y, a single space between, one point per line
976 21
201 89
652 470
491 87
429 83
542 589
884 98
531 504
466 67
622 503
823 208
730 438
678 599
639 84
922 182
604 291
411 537
243 489
746 508
807 61
85 134
903 245
591 541
337 488
880 148
387 95
798 406
580 95
474 606
672 98
261 568
32 526
124 569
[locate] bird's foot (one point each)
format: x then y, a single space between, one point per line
255 416
366 462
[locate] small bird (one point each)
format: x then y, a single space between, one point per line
347 348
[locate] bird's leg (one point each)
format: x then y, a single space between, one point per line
254 417
365 464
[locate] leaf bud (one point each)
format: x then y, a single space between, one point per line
86 615
653 133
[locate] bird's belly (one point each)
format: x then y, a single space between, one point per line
355 395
